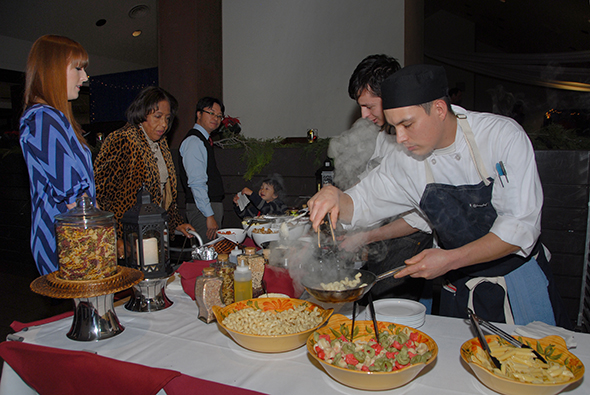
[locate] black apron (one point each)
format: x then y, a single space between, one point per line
462 214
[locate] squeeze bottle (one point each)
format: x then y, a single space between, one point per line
242 281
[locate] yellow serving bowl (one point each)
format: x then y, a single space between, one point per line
508 386
270 344
368 380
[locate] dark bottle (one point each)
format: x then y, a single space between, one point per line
325 174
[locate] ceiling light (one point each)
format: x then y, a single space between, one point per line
139 11
136 33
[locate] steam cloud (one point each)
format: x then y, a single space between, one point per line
351 151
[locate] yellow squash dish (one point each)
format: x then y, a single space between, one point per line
521 373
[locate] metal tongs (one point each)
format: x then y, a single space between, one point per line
300 214
482 339
499 332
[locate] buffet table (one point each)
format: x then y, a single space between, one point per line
175 339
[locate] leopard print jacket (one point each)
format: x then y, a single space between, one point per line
124 164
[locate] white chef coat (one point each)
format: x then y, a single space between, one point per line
396 186
384 145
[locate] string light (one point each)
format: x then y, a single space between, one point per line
120 86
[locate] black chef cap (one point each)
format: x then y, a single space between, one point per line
414 85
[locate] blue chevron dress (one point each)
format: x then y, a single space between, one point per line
60 170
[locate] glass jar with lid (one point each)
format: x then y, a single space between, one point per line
256 263
225 270
86 242
208 294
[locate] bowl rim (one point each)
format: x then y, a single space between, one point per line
230 229
236 235
556 339
261 238
325 313
337 320
273 232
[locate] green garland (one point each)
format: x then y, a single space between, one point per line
556 137
259 152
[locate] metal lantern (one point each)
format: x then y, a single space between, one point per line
145 229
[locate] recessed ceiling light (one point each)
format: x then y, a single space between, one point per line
136 33
139 11
101 22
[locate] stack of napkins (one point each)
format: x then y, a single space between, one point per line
242 201
538 330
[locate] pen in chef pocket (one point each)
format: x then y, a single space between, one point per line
504 171
500 173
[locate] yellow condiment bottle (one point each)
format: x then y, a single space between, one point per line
242 281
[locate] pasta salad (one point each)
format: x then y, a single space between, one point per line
397 348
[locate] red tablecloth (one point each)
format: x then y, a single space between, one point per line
18 326
53 371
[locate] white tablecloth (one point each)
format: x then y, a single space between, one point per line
175 339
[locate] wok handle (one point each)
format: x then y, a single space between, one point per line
390 273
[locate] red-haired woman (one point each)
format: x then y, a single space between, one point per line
57 155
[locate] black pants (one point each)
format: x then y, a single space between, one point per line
388 254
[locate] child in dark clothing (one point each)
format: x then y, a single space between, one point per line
268 200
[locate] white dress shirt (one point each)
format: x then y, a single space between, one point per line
396 186
194 159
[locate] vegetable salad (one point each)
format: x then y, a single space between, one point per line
393 351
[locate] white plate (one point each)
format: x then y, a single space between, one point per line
399 308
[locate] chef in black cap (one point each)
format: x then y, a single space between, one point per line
474 178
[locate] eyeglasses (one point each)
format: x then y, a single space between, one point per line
220 117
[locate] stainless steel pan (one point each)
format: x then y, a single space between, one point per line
312 284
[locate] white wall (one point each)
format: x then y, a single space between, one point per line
286 64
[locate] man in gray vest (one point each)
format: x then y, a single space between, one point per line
199 174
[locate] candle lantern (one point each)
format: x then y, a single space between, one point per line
145 229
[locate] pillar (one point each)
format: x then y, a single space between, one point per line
190 56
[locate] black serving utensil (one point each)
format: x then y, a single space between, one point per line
373 316
497 331
482 338
353 319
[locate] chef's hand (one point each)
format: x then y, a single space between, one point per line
353 242
211 228
184 228
429 263
435 262
328 200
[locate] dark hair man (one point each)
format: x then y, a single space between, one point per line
474 176
199 174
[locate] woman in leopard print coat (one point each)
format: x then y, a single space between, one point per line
129 159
